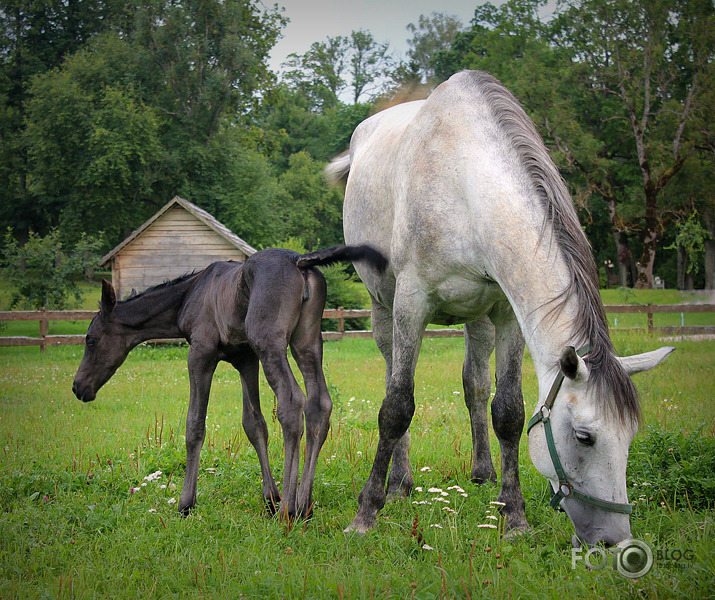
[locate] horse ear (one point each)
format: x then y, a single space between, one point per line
572 364
109 297
646 361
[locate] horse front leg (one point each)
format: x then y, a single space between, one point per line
508 418
255 426
398 407
201 369
479 343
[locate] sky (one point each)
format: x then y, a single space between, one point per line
387 20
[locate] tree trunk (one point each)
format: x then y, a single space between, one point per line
649 236
710 252
681 268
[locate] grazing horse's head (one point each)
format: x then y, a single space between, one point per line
579 439
106 346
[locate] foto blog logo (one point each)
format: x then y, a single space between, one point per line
632 558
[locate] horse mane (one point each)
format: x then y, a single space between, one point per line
161 287
605 371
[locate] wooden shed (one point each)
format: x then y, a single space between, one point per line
178 239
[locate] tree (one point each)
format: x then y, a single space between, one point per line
36 37
431 35
319 73
650 57
43 272
619 91
313 210
139 115
357 62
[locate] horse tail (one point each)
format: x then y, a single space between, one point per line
342 253
338 169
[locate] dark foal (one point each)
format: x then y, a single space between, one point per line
240 313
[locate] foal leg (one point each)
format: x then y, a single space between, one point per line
307 348
202 365
268 323
479 343
255 426
399 482
508 417
398 407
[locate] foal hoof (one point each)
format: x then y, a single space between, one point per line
272 504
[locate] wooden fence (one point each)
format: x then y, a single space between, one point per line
46 339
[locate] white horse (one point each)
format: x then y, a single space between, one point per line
459 192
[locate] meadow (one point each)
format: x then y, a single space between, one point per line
88 492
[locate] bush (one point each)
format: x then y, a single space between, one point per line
679 467
42 273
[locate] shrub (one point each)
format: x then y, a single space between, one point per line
680 467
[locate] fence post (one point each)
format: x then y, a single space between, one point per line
650 318
44 325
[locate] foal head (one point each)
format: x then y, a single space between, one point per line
107 344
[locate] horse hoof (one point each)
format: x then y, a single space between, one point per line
479 479
516 533
360 526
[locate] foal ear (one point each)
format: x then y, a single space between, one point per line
572 364
109 297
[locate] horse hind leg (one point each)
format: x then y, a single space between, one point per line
508 418
307 349
399 481
479 344
255 426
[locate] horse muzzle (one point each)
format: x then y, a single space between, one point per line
84 394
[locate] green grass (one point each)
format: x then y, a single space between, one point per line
70 528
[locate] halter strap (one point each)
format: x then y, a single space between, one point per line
566 489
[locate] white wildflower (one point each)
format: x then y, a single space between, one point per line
153 476
487 526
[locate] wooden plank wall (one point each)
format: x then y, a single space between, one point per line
175 244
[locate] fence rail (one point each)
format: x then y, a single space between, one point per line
341 314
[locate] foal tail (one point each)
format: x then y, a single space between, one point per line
338 169
342 253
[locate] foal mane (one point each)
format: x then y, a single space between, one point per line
605 372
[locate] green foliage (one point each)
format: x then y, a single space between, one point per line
677 467
43 273
691 238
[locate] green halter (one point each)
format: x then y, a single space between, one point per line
566 489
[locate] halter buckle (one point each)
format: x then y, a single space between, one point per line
545 412
565 489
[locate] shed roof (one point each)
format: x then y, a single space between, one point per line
198 213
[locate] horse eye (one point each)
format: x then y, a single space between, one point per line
91 342
585 438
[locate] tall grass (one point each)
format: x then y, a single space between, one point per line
85 513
